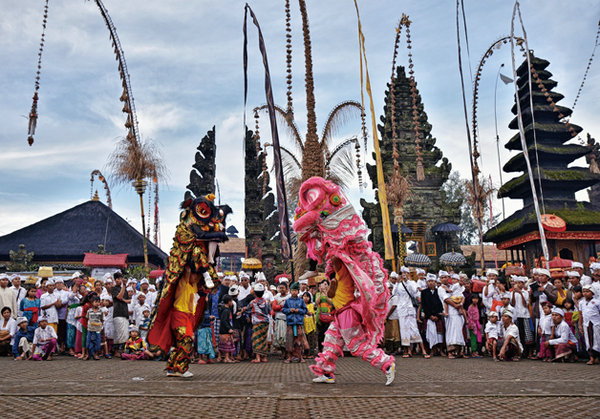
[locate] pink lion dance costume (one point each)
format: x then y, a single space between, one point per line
335 233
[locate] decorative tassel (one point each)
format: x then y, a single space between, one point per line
420 170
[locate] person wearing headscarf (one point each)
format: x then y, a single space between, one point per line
7 296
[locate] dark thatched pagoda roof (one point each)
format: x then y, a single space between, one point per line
65 237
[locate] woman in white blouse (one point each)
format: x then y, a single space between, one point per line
8 327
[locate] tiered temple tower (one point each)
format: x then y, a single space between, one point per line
550 158
426 206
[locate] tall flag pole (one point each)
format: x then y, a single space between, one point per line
387 230
284 224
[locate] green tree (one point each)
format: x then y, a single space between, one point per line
456 192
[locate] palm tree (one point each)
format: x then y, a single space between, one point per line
316 156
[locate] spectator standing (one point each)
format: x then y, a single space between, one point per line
519 299
50 302
295 310
432 309
260 309
120 313
94 328
7 296
19 292
589 323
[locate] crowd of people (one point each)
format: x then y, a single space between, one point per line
545 316
246 318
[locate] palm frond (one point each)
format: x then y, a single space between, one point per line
131 161
341 164
478 202
337 118
286 121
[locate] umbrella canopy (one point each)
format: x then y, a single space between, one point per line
251 263
417 260
445 228
403 229
452 259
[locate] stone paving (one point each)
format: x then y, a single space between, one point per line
434 388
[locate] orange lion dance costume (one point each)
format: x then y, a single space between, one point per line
190 271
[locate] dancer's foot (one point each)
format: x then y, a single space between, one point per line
324 379
390 374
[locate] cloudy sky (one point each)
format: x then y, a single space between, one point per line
185 63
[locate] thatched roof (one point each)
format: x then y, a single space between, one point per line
66 236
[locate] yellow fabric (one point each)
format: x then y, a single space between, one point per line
387 230
309 321
185 296
344 294
560 298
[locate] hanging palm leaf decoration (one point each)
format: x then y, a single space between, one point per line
33 115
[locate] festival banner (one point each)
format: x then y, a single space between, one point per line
387 230
284 225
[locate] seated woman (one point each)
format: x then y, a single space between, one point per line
8 328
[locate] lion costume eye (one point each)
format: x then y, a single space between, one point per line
203 210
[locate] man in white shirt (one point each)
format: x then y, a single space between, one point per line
406 293
50 302
511 347
563 342
519 299
44 341
19 292
63 295
392 327
7 296
595 270
245 289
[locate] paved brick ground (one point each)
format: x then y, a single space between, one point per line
434 388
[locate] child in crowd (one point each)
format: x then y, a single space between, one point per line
73 303
492 329
545 331
94 328
44 341
145 323
279 320
22 341
226 346
310 325
474 326
260 309
295 309
204 339
109 328
135 347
